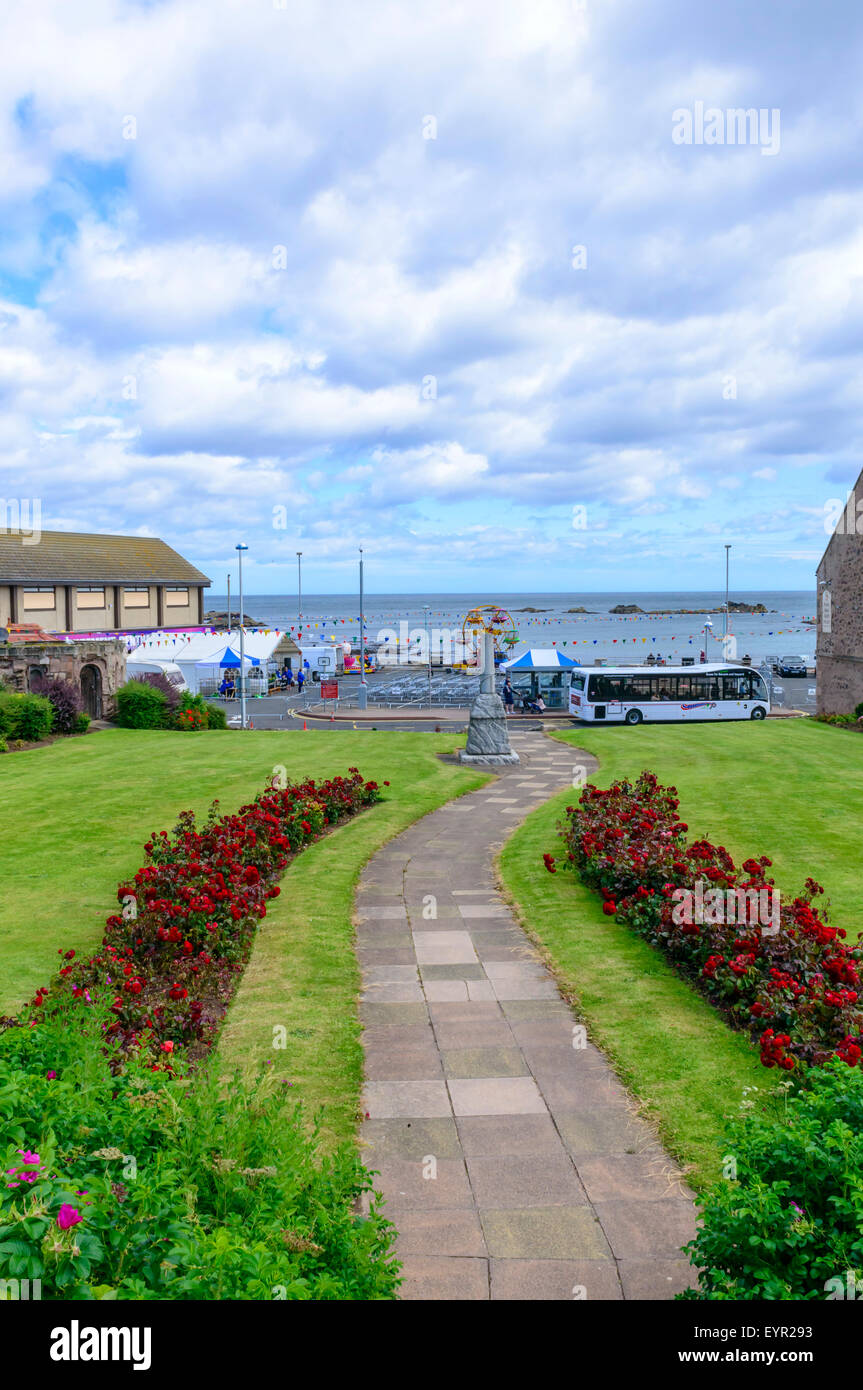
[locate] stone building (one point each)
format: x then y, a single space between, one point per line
96 668
88 583
839 648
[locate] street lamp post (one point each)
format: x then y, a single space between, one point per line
428 648
725 634
240 548
229 608
362 693
299 593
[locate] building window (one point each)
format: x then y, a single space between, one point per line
176 598
136 598
38 600
91 597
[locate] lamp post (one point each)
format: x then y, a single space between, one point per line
239 549
725 634
428 647
229 608
362 693
299 593
300 608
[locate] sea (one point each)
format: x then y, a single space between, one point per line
673 624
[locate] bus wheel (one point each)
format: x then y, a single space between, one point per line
634 716
758 713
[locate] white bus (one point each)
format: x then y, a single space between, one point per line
632 694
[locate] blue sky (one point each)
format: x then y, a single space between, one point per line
438 281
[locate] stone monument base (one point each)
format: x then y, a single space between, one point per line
487 759
487 734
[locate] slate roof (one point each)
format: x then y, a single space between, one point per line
64 557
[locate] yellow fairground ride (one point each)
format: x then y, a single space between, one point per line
486 618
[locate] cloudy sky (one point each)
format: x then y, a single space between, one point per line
441 280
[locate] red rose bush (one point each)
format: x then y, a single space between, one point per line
171 959
775 968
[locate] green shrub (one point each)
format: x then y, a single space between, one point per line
212 1190
216 718
25 717
140 706
791 1225
4 746
858 710
194 713
82 724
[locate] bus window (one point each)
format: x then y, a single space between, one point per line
578 681
736 686
605 688
705 688
640 688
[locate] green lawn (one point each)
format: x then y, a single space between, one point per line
790 789
81 809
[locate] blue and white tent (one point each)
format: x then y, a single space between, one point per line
227 657
540 659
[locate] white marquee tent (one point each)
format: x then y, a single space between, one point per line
193 651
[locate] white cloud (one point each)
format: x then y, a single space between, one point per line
172 365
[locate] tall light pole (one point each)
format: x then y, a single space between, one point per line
229 608
300 609
428 647
727 553
299 593
240 548
362 693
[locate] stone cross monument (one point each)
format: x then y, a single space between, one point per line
487 734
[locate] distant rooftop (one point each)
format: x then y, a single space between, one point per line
66 557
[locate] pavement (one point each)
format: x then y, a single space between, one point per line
513 1161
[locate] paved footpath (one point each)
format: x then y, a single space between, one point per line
512 1160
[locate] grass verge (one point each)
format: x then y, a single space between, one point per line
789 789
83 809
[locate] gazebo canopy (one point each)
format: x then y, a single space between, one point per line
227 657
540 659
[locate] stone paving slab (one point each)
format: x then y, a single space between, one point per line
511 1159
439 1277
583 1280
447 1231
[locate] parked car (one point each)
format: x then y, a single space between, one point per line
792 666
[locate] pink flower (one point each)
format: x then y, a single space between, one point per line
29 1157
68 1216
51 1076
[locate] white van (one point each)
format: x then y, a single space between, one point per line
328 662
169 669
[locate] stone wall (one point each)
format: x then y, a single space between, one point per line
840 651
98 668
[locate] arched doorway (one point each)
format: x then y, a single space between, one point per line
91 689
